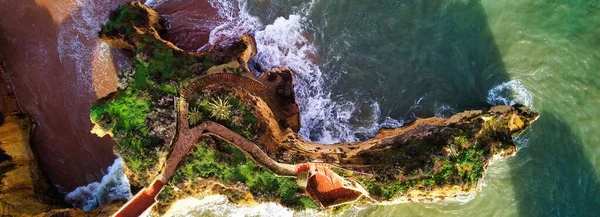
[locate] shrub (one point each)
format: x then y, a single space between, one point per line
128 111
220 109
230 165
169 89
287 188
195 116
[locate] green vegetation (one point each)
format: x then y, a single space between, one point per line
167 193
169 89
126 116
128 112
121 20
226 110
220 109
228 164
159 68
464 168
340 209
195 116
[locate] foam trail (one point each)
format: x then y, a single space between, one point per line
444 111
285 43
154 3
239 21
113 186
510 93
218 205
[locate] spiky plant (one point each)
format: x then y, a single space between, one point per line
220 108
195 116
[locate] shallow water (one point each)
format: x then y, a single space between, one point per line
362 65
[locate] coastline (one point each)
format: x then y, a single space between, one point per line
428 160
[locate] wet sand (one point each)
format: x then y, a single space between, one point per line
190 22
59 67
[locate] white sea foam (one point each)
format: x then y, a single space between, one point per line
444 111
239 21
218 205
113 186
510 93
78 42
154 3
284 43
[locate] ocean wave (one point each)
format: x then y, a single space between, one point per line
113 186
286 43
218 205
444 111
154 3
239 21
510 93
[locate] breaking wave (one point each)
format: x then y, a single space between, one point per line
218 205
510 93
287 43
113 186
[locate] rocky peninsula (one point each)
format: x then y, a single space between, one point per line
192 124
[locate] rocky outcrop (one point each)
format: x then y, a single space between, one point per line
24 190
429 159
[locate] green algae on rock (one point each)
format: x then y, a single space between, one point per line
202 123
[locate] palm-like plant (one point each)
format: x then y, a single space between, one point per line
220 108
195 116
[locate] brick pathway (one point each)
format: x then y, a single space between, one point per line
251 85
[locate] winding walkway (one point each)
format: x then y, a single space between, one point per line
318 174
186 138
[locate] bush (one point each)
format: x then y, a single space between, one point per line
230 165
125 116
287 188
127 112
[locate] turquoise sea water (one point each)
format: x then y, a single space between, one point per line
383 63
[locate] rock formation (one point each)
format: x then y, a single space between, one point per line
236 134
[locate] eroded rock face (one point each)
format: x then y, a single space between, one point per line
23 189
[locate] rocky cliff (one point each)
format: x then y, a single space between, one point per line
196 124
24 190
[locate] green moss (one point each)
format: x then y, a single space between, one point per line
167 194
169 89
287 188
125 116
207 62
230 165
307 203
141 77
128 112
122 20
340 209
301 203
163 64
465 168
